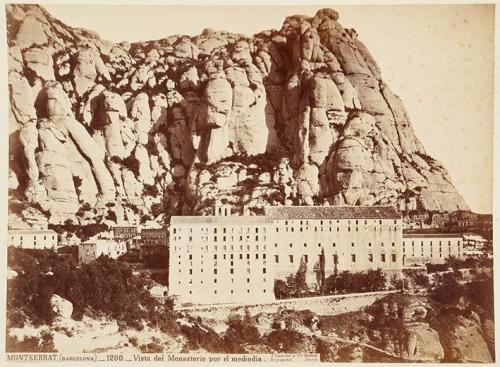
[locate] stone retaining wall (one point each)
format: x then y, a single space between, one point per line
326 305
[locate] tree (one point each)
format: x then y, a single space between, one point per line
281 289
448 290
319 270
300 278
375 280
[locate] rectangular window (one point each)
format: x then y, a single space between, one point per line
382 258
215 271
248 256
276 259
353 258
335 259
257 256
393 258
231 271
370 258
291 258
215 256
333 244
190 271
264 270
306 258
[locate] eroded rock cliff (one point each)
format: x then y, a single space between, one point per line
300 115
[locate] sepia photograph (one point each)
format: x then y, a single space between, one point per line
242 184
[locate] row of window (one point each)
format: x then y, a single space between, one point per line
224 238
264 280
334 244
336 258
34 238
215 291
222 248
223 231
430 242
301 229
263 256
231 271
321 222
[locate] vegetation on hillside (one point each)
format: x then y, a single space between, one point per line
103 287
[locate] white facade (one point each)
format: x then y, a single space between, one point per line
94 248
355 238
220 259
423 248
33 239
224 258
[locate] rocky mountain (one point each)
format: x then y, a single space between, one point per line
124 131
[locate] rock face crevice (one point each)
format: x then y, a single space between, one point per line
300 115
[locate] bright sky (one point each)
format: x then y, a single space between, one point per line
437 58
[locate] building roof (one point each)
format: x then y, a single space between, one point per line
31 231
332 212
233 219
153 230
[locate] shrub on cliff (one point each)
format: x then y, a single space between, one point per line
132 164
284 340
43 344
240 331
447 289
